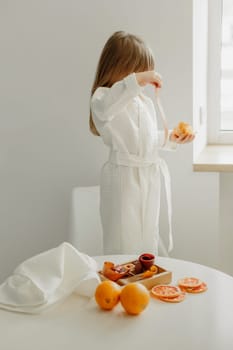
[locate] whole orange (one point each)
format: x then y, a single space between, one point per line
107 294
134 298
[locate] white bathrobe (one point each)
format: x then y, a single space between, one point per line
130 179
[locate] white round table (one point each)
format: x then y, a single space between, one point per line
201 321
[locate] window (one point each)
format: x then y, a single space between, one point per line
220 72
226 104
213 85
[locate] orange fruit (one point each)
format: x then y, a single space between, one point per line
107 294
134 298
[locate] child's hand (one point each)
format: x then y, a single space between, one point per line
181 138
183 133
149 77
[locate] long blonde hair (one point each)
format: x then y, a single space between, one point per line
122 54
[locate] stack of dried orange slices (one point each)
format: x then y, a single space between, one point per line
192 285
170 294
176 294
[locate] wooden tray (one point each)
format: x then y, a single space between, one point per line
161 277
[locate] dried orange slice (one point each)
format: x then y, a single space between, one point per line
129 266
165 291
177 299
183 129
154 268
200 289
189 282
149 273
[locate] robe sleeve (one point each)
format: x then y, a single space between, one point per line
107 102
169 145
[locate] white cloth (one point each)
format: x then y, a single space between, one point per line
130 180
49 278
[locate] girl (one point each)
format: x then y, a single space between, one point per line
125 118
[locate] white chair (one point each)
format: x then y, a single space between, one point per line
85 232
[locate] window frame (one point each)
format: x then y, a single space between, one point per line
214 134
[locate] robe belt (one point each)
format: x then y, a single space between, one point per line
131 160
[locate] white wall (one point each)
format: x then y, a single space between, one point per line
49 51
226 223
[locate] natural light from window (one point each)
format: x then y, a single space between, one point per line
227 66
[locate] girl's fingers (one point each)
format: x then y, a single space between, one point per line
157 79
183 138
190 138
157 83
186 138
